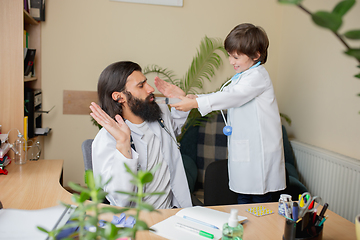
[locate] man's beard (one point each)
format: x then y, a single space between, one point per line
148 111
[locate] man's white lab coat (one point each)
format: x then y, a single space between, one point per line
109 162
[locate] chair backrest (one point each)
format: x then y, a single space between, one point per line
86 151
216 185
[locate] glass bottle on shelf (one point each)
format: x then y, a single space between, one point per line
20 150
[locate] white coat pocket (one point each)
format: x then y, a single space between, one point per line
241 151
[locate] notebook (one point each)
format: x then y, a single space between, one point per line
200 218
22 224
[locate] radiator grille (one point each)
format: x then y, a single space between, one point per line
333 177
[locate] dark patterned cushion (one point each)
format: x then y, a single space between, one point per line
212 144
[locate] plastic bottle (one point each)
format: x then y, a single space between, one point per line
284 198
233 230
20 150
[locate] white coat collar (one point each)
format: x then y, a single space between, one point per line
152 125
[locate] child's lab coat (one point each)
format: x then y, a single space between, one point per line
256 155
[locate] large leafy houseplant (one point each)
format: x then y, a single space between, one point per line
203 67
333 20
86 217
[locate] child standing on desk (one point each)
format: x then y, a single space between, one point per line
256 156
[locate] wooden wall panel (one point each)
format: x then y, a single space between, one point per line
78 102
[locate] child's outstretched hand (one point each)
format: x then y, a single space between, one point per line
118 129
187 103
167 89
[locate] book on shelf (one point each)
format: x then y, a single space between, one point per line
29 56
26 39
37 9
26 128
26 5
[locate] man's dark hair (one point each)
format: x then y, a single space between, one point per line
248 39
113 79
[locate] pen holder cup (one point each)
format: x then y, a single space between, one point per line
296 231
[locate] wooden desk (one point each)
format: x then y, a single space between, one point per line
261 228
36 185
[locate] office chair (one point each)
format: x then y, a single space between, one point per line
216 185
86 151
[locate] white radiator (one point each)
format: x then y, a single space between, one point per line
333 177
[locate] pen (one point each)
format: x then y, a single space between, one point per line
322 213
314 216
286 210
322 221
194 230
200 222
301 203
295 211
165 100
323 210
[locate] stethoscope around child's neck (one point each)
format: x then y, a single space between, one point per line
227 130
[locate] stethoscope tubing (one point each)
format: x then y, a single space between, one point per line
228 129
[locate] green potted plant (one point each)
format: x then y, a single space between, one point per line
86 217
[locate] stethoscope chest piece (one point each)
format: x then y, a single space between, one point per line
227 130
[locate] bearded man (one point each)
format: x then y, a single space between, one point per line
139 132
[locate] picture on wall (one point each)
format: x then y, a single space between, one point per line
178 3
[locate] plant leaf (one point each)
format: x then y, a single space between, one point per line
354 52
42 229
113 210
89 176
127 193
290 1
163 73
77 187
145 177
84 196
357 75
145 206
343 7
353 34
101 195
286 118
327 20
153 193
129 170
110 231
203 65
126 232
141 225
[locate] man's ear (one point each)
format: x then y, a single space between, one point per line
118 97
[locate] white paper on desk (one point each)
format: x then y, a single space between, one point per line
168 229
22 224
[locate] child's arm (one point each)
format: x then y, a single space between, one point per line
187 103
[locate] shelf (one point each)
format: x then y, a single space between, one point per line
30 79
29 19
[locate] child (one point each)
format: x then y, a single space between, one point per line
256 157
